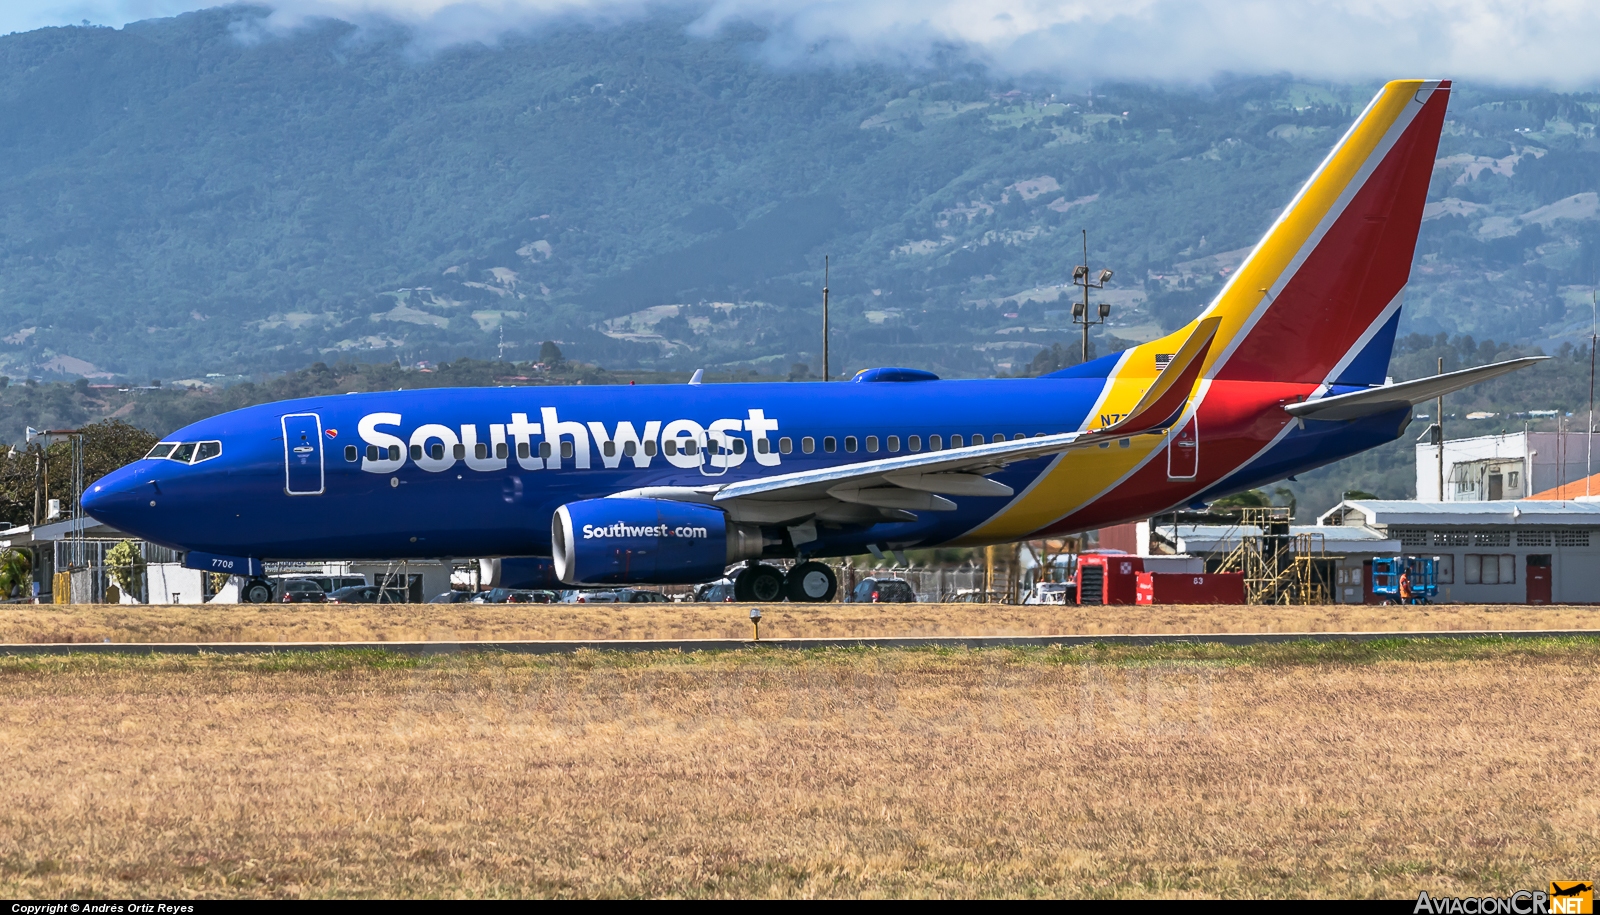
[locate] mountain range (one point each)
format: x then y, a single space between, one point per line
203 196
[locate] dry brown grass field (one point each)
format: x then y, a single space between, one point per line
1378 769
476 622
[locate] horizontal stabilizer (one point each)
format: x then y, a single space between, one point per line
1409 393
1170 393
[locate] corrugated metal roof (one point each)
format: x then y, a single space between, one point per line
1521 512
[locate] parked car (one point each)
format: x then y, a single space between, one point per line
717 592
530 596
637 596
1052 592
369 594
300 591
592 597
971 596
453 597
514 596
332 583
883 591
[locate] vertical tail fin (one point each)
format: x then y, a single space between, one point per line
1318 299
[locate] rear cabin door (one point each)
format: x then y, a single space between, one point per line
1538 578
302 454
1183 452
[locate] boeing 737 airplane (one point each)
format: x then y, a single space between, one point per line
1283 372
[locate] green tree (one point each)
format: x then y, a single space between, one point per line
16 572
126 566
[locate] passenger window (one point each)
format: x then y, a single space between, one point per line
394 452
351 453
610 449
436 451
894 443
785 445
691 447
935 443
500 450
955 441
523 451
650 448
671 447
183 452
566 449
1018 437
872 444
738 446
630 448
207 451
459 451
914 443
416 452
544 450
999 436
977 438
850 443
480 450
808 444
763 446
830 444
161 450
373 452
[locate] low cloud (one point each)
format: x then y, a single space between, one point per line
1532 42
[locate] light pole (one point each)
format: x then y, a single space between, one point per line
1080 310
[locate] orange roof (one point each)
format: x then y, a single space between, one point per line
1585 487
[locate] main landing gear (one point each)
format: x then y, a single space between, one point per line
807 582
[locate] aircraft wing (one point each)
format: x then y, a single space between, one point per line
888 487
1408 393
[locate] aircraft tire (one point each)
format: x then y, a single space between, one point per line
811 583
257 592
758 583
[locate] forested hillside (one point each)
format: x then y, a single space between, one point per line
197 195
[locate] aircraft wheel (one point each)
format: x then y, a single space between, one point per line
811 583
257 592
758 583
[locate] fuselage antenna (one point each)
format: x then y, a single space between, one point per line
825 375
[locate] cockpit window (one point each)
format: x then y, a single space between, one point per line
186 452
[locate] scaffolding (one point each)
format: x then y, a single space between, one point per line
1280 567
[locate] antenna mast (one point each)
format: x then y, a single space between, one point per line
1588 439
825 375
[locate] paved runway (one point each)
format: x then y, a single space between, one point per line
568 647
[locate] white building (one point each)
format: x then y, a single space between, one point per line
1504 552
1494 468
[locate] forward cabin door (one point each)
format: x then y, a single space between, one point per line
302 454
1183 451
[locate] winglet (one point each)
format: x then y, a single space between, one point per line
1167 397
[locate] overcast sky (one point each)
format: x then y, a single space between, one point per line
1518 42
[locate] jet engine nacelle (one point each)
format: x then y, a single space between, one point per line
647 541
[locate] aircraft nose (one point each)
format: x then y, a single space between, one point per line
110 498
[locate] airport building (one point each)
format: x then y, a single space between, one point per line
1495 468
1490 552
70 566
